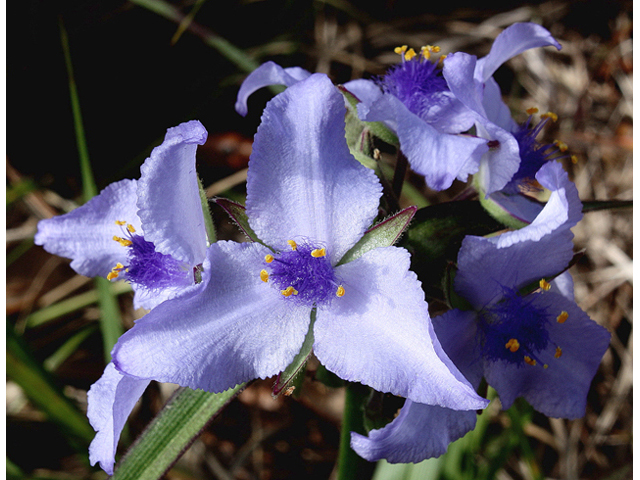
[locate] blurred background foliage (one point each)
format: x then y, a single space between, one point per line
145 65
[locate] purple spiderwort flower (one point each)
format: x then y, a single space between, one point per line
310 201
540 346
471 81
151 233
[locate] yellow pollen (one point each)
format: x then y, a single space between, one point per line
340 291
400 50
561 145
411 53
531 111
130 228
574 159
318 252
292 244
562 317
111 275
120 222
289 291
558 353
545 366
544 285
268 258
550 115
118 266
513 345
264 275
122 241
441 59
530 361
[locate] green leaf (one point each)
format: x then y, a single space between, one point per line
41 389
595 205
238 214
171 432
383 234
377 129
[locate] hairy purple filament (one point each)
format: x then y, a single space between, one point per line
153 270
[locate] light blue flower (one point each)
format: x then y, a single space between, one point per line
540 345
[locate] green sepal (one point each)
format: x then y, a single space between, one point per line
377 129
328 378
238 214
450 295
206 213
292 376
383 234
500 214
436 233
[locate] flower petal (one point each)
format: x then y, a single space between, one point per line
512 41
236 329
440 157
417 433
302 180
110 401
561 389
169 198
379 333
85 235
267 74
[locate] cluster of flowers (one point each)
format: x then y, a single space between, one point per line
224 313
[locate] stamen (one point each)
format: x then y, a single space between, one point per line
293 245
411 53
264 275
427 50
563 147
545 366
289 291
558 353
574 159
544 285
340 291
400 50
122 241
111 275
268 258
513 345
531 111
562 317
120 222
529 361
130 228
551 115
318 252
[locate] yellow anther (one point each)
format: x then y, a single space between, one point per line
411 53
574 159
122 241
545 366
318 252
558 353
550 115
120 222
441 59
340 291
563 147
562 317
400 50
292 244
544 285
268 258
264 275
118 266
531 111
289 291
130 228
111 275
529 361
513 345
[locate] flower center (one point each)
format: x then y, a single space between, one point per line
303 274
147 267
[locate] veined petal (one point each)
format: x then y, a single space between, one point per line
440 157
512 41
364 90
560 390
379 333
417 433
168 195
500 163
268 73
495 108
110 401
458 71
85 235
236 329
302 180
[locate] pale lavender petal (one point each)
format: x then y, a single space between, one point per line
379 334
458 71
168 195
236 329
85 235
561 389
302 181
364 90
440 157
520 207
268 73
563 284
495 109
512 41
500 163
417 433
110 401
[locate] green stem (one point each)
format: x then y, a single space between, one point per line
350 465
